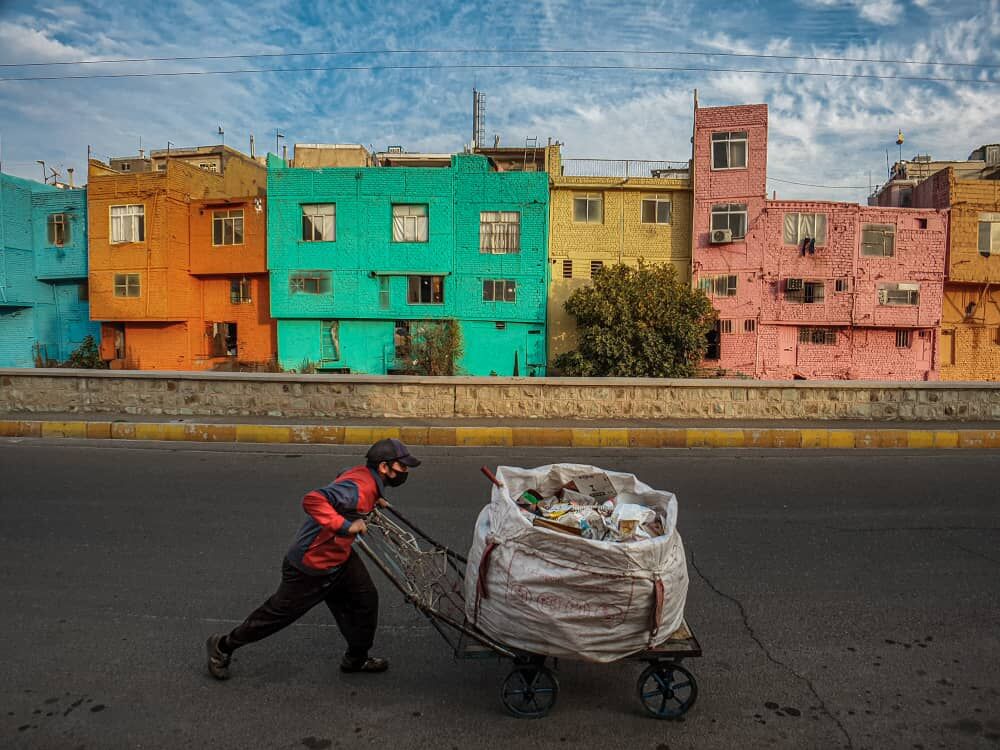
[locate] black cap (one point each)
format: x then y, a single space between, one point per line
390 449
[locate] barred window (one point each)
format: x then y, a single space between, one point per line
227 227
820 336
718 286
499 232
595 267
319 222
903 338
749 326
567 269
725 326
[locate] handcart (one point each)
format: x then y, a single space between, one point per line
431 578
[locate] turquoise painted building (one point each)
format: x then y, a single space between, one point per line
44 312
359 256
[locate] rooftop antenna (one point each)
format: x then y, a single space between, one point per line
899 142
222 135
478 117
39 161
277 135
251 146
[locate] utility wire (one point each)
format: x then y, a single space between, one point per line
501 66
809 184
329 53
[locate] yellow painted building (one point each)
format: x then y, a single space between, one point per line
603 212
970 321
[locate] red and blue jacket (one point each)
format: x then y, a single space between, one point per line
323 543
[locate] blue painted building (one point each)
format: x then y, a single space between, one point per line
359 257
44 313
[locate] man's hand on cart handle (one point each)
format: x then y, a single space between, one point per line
382 503
358 527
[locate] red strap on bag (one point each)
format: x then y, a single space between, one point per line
481 591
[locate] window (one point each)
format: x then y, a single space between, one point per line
128 223
729 150
126 166
947 347
807 292
588 208
221 339
567 269
878 239
239 291
821 336
713 350
209 166
319 222
800 227
725 326
718 286
921 223
58 229
499 290
227 227
329 340
731 216
842 285
656 209
500 325
989 234
83 291
899 294
749 326
310 282
383 292
126 285
409 223
499 232
425 290
595 267
903 338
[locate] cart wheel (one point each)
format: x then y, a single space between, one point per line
667 690
529 691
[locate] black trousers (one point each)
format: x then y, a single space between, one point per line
348 592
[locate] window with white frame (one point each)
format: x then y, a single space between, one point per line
588 208
127 285
729 150
58 229
425 290
409 222
239 291
128 223
718 286
878 240
804 226
731 216
227 227
499 290
499 232
899 294
310 282
656 209
989 234
319 222
820 336
329 341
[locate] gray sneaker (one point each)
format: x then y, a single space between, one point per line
218 660
367 664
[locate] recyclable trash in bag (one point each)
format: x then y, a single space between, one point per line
569 560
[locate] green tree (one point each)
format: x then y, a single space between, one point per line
638 322
87 356
434 348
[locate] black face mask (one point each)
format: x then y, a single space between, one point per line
397 480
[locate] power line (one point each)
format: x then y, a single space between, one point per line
809 184
506 51
502 66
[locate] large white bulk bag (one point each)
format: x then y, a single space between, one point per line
550 593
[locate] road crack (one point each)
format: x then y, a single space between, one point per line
767 652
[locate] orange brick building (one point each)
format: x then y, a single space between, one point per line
178 261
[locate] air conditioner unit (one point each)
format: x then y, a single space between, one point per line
719 236
793 285
883 296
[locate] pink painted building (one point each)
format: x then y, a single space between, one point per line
808 289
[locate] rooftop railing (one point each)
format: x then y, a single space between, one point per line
625 168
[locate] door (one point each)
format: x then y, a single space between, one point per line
787 345
925 350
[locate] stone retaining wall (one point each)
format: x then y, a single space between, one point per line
339 396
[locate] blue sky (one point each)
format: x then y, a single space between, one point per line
824 131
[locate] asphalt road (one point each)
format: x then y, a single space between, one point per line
842 600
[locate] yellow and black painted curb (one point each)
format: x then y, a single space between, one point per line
556 437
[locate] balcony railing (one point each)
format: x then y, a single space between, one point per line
625 168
